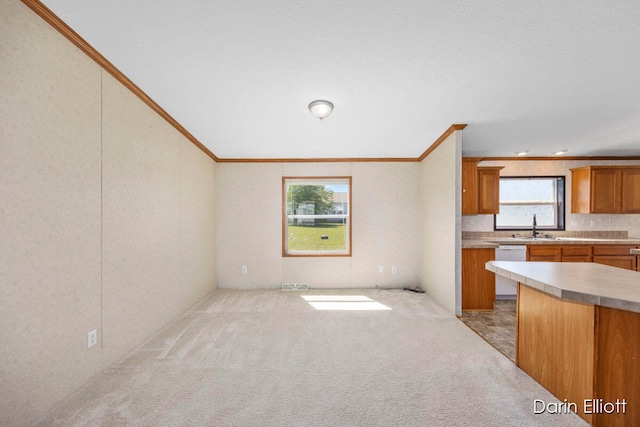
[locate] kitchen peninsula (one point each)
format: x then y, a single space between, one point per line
578 334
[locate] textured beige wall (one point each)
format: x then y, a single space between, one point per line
198 268
441 203
385 224
49 215
150 237
106 218
573 222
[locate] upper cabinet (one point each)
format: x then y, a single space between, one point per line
605 189
489 190
630 182
469 187
480 188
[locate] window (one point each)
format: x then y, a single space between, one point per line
316 216
522 197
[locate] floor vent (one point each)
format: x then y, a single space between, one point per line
295 286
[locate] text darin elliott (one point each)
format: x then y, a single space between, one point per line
590 406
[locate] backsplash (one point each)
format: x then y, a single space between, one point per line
612 234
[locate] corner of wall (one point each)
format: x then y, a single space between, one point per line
440 272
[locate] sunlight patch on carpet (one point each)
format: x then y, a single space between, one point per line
344 303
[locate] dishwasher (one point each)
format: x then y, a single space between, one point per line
506 288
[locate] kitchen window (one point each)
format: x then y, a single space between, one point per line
316 216
522 197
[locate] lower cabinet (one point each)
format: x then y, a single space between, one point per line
478 283
575 253
544 253
613 255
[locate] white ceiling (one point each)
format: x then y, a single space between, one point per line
239 74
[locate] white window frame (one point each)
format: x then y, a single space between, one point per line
286 216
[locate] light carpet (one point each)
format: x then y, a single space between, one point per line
269 358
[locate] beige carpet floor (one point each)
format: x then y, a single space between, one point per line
272 358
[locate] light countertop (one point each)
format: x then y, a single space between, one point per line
576 281
494 242
478 244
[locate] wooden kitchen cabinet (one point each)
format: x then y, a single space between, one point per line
605 193
605 189
478 283
615 256
488 190
630 181
548 253
480 188
575 253
469 187
559 253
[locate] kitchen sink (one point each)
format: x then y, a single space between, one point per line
560 239
574 238
524 238
583 239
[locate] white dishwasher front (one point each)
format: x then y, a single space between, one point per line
506 288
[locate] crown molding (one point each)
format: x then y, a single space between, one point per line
440 140
554 158
433 146
321 160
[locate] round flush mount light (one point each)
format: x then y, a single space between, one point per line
522 152
560 152
321 109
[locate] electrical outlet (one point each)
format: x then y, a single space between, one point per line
381 269
244 269
394 269
92 338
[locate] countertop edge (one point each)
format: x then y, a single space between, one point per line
478 243
575 295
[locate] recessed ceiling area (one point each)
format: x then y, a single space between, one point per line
239 75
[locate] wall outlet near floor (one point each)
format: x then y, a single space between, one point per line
394 269
92 338
381 269
243 269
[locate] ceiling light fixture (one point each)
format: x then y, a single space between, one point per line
321 109
522 153
560 152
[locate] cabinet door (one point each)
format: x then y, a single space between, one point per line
627 261
478 283
488 190
469 187
630 179
572 258
576 250
575 253
543 253
580 190
605 191
622 250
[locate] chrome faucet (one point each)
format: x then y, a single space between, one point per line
534 232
